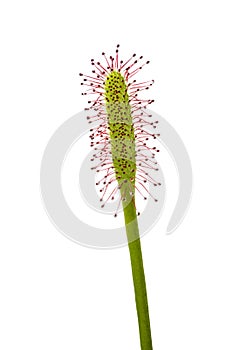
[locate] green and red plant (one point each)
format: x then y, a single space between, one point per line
123 154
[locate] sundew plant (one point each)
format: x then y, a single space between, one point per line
124 152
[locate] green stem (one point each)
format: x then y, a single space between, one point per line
139 281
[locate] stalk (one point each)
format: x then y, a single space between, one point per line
139 281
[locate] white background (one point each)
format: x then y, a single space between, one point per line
56 294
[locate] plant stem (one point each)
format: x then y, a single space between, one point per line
139 281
